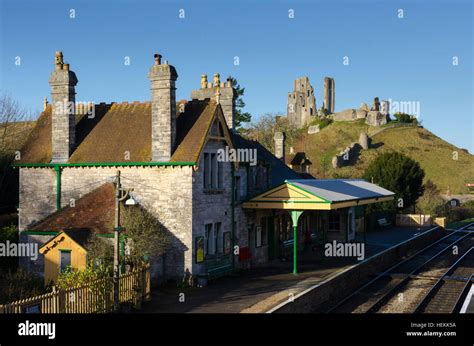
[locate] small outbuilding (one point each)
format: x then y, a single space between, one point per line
65 250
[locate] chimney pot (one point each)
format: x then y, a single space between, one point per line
157 59
58 60
216 79
203 81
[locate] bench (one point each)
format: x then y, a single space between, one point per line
286 249
383 223
218 268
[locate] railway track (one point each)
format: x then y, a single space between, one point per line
448 293
417 273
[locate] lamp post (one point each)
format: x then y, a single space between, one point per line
120 195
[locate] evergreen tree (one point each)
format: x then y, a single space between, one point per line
240 116
398 173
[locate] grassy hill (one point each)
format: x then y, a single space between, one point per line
434 154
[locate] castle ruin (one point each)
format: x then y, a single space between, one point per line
301 103
329 93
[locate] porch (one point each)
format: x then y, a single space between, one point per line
304 214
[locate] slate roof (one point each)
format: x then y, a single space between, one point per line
340 190
117 128
80 236
279 170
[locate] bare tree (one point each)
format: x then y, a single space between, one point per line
13 132
11 113
264 129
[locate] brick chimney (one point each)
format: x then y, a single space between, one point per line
222 93
63 95
279 139
163 109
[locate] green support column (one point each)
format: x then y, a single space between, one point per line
57 169
295 215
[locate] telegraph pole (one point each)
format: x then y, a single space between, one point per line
120 195
117 242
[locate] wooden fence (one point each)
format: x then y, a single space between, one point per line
419 220
96 297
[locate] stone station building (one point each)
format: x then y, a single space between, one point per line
168 153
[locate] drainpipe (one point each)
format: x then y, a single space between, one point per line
247 171
57 169
232 213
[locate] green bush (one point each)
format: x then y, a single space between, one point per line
398 173
72 278
468 204
98 279
431 203
322 122
405 118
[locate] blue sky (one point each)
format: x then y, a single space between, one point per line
409 59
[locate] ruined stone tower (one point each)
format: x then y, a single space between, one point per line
63 95
301 103
163 109
329 92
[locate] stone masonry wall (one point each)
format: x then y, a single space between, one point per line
164 191
210 206
37 195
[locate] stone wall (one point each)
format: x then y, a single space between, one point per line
165 191
37 195
210 206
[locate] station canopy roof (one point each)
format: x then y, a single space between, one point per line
324 194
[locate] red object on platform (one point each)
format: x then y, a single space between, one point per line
244 254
